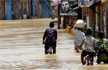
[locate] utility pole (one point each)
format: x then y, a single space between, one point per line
59 17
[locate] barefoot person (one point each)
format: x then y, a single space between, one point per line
101 48
89 47
79 35
50 38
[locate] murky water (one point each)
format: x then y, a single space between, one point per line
21 48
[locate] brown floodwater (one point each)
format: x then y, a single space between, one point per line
21 48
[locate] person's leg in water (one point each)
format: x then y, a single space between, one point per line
91 57
76 46
83 61
54 49
78 49
98 61
79 46
82 57
92 61
46 49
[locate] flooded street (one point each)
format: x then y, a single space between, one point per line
21 48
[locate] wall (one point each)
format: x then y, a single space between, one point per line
23 1
2 10
88 14
68 20
5 10
29 9
34 13
15 9
92 20
97 18
106 19
23 9
101 18
84 16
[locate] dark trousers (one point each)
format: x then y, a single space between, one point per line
91 54
47 47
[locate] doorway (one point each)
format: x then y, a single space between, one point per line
15 10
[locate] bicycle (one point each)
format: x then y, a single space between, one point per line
88 59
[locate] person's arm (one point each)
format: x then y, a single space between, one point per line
43 41
44 36
96 48
72 29
73 25
94 45
56 35
81 44
96 51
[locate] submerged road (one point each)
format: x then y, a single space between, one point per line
21 48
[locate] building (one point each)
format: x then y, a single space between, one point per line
96 16
41 8
23 9
15 9
45 8
2 9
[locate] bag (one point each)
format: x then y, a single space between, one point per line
102 50
103 57
69 31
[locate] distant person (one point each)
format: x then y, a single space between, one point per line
53 14
50 38
89 49
101 48
79 35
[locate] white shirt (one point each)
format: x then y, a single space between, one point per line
89 43
78 36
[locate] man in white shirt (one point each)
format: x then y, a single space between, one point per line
79 35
